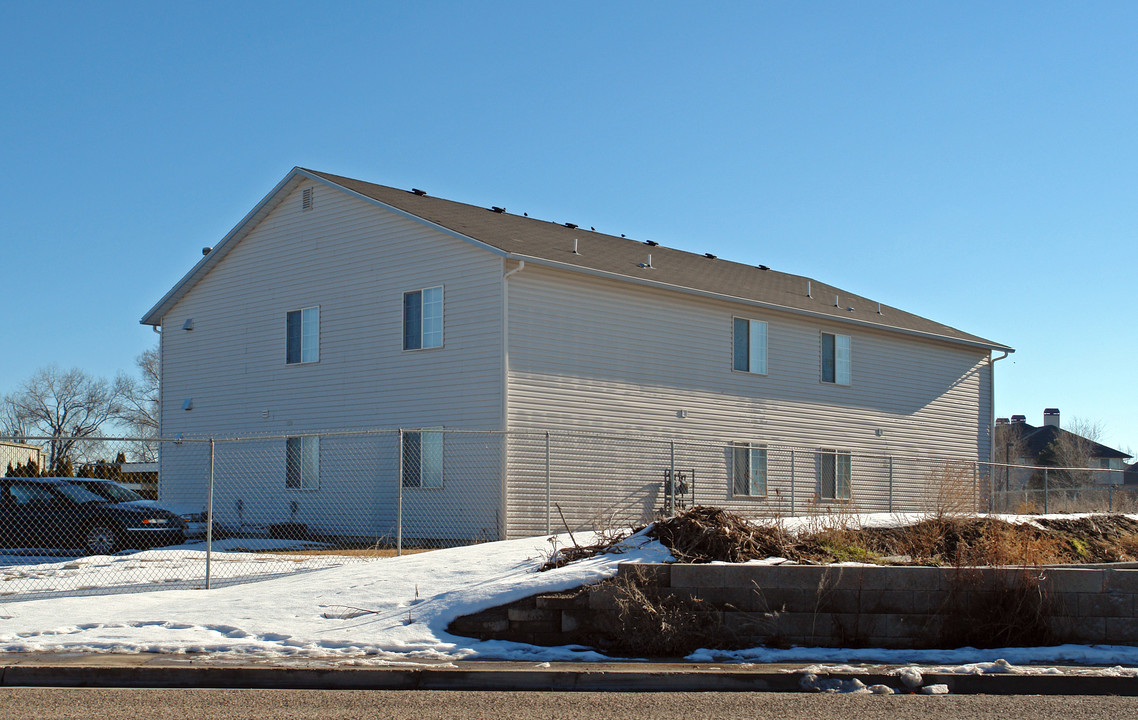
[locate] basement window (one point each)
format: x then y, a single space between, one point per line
748 470
834 469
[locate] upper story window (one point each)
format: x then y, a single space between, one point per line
423 458
836 359
750 346
423 318
748 469
835 475
302 462
303 336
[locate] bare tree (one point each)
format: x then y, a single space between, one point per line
1076 449
140 400
67 407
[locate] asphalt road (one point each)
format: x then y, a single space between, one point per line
203 704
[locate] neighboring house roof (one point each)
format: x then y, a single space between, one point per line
1035 439
552 244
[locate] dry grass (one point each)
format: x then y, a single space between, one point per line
704 534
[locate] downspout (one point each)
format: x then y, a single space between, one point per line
505 419
992 403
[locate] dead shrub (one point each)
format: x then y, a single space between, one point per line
950 490
1015 613
654 622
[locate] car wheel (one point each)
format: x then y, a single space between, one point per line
101 540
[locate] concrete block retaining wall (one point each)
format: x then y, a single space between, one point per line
871 606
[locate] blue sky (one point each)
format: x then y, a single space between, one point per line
974 163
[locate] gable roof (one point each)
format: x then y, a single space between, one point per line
1036 439
547 243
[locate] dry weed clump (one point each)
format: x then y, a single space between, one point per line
951 490
709 534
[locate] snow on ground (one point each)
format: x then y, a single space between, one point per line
393 610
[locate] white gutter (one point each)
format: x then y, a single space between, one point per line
755 303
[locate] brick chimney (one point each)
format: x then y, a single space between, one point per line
1051 417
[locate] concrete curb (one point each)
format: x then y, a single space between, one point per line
526 677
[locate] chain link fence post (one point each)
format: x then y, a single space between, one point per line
670 490
548 499
792 483
209 523
1045 489
975 488
399 502
890 483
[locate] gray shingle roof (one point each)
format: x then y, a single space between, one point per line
553 243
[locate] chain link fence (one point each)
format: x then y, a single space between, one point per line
206 512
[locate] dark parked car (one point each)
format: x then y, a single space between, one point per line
117 492
55 513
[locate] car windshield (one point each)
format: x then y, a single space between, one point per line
77 494
109 490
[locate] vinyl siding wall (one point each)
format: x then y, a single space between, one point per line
595 356
354 261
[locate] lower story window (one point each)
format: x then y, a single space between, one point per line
423 458
749 469
302 462
835 475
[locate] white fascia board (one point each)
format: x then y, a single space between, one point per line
154 315
755 303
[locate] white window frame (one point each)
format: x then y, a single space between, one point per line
429 329
841 358
756 345
428 472
306 476
309 349
751 458
840 472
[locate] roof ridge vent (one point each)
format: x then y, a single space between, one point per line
419 192
497 209
649 243
571 226
709 256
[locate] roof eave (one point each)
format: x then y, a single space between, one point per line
155 314
978 344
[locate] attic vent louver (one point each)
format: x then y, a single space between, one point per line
306 199
419 192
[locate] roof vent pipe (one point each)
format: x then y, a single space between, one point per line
575 247
879 309
836 304
808 289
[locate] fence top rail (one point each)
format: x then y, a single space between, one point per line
1012 466
535 434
